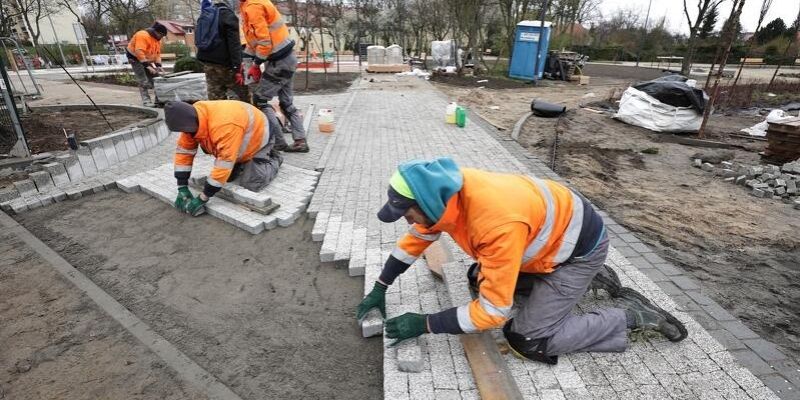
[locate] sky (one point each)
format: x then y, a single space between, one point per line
676 20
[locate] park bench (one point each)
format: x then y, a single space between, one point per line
752 61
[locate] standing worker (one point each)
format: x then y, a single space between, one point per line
530 236
234 132
268 43
220 50
144 54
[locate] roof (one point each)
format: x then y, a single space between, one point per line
537 24
175 27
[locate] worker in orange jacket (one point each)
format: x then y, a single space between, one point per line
269 44
144 55
235 133
530 237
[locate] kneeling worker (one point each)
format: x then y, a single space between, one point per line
532 237
234 132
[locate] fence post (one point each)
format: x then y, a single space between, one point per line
20 148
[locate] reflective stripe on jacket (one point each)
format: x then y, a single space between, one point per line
230 130
264 30
145 47
509 224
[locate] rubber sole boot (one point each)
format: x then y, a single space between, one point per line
297 147
608 280
651 317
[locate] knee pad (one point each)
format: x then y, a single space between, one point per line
531 349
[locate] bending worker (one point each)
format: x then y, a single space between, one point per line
144 55
234 132
268 43
530 236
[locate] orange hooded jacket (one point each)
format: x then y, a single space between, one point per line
230 130
145 47
509 224
264 30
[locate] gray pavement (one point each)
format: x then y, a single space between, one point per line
384 126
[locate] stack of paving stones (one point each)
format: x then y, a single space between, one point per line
291 190
764 181
381 129
92 168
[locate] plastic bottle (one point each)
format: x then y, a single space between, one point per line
450 113
325 120
461 116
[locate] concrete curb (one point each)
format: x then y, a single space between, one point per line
187 369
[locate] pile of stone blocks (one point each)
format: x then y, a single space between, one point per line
764 181
291 190
89 169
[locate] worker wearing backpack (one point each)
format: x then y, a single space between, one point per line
219 48
268 43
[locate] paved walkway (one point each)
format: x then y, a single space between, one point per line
392 122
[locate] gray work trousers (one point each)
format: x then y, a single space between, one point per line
277 81
546 312
257 173
144 78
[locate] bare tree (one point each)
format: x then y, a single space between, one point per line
512 12
728 36
703 8
33 12
129 15
765 5
795 33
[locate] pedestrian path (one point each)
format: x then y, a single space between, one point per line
384 126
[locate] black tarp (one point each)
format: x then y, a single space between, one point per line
673 90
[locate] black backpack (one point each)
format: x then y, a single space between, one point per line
207 30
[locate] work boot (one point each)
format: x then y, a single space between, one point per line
299 146
643 315
608 280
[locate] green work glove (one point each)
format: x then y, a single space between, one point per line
184 196
195 207
375 299
406 326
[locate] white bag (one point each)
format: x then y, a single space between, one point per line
760 129
641 109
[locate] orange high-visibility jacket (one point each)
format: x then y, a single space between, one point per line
145 47
230 130
264 28
509 224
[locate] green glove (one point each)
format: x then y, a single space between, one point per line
184 196
375 299
406 326
195 207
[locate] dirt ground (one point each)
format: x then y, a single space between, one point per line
57 344
44 132
260 313
317 83
745 251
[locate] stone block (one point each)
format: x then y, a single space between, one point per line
728 173
73 193
138 141
409 356
740 180
791 187
57 173
372 324
25 187
697 163
146 138
130 145
19 206
780 190
758 193
765 349
42 180
110 150
99 157
708 167
86 162
119 146
128 185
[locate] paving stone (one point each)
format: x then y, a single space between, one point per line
99 157
752 361
42 180
719 313
120 149
57 173
25 187
765 349
684 282
781 386
738 329
409 356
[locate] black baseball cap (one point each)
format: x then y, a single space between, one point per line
395 207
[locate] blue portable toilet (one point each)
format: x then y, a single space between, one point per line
525 45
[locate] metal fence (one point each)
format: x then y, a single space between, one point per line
12 136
